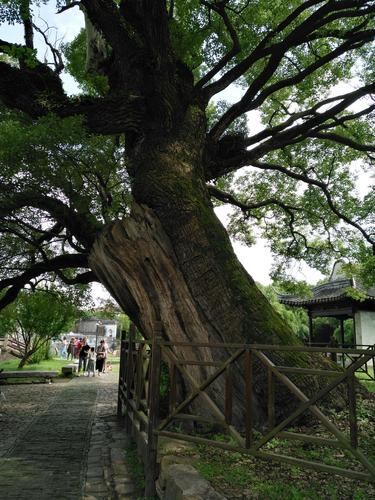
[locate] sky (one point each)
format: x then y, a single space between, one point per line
256 259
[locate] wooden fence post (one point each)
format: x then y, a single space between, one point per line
122 374
271 400
248 397
172 387
352 411
139 376
128 376
228 394
152 443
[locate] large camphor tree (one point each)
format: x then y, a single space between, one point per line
118 184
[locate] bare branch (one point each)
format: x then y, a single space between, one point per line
313 111
79 279
57 57
299 132
8 227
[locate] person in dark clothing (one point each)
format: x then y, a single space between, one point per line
70 349
101 354
83 356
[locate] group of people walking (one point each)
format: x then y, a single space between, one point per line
90 359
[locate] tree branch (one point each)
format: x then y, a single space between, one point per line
236 48
323 188
331 136
230 153
311 112
35 91
45 238
66 261
247 207
68 6
254 96
118 32
79 279
38 92
27 24
59 64
260 51
83 226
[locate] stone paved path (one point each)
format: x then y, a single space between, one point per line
72 449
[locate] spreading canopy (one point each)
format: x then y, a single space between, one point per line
304 71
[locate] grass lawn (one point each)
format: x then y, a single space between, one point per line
54 364
234 473
366 380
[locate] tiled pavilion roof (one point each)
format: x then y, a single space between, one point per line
335 290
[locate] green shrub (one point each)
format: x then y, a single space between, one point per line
44 353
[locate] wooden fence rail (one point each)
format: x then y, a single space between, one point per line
12 345
138 400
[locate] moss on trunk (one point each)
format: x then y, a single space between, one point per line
172 260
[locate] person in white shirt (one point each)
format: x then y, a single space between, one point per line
91 362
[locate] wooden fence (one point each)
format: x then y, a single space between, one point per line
12 345
346 357
139 393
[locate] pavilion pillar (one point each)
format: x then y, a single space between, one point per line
310 327
342 340
342 336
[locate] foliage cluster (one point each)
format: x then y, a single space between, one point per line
296 318
37 317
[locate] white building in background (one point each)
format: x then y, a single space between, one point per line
96 329
365 327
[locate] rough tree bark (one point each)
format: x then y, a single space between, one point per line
172 261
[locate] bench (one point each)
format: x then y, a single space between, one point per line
69 369
28 374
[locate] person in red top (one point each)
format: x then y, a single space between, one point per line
77 347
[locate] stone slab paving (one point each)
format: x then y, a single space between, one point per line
107 475
69 446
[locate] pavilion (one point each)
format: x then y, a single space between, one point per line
336 299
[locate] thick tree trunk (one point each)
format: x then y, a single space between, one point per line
172 261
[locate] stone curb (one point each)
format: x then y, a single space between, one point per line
183 482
